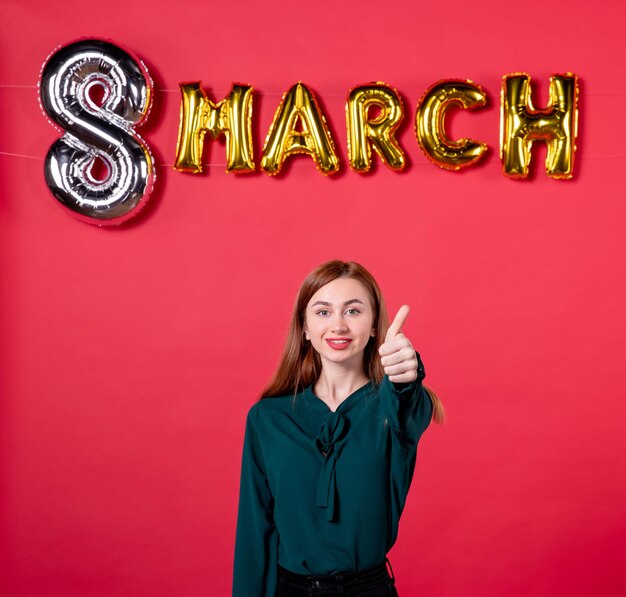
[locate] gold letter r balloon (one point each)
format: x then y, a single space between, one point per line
378 132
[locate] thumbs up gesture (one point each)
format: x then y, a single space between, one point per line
397 353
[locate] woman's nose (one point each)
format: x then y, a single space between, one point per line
339 323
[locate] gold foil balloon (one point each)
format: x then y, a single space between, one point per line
365 132
521 125
430 123
231 117
299 107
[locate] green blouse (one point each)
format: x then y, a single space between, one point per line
321 491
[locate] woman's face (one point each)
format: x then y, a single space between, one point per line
339 321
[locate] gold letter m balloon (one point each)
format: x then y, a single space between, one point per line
521 125
230 117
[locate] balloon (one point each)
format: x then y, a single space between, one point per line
365 132
521 125
298 105
430 123
231 117
97 133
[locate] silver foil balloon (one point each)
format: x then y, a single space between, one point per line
98 130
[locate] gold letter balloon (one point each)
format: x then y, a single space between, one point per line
231 117
430 123
299 107
521 125
365 132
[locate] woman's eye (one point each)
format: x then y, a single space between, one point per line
353 311
322 312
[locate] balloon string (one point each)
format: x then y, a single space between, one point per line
21 155
303 164
165 90
332 94
40 159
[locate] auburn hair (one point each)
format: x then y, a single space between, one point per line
300 365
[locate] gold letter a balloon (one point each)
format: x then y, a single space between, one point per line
299 106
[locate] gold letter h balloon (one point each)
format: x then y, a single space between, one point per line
521 125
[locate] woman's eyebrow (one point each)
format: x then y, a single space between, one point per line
327 304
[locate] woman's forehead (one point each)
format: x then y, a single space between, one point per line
342 290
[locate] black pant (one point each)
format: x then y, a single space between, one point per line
374 581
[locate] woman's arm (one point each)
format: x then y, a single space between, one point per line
408 410
256 545
407 406
405 401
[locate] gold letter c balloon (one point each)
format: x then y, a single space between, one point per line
430 123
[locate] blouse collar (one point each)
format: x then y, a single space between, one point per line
345 405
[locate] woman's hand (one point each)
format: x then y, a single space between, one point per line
397 353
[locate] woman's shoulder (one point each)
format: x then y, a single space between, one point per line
272 403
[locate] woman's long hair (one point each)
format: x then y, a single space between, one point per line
301 366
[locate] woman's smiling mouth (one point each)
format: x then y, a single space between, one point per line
338 343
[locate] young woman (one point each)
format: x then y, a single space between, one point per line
329 451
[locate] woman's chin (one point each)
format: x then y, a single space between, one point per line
347 358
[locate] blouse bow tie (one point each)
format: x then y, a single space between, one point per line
332 429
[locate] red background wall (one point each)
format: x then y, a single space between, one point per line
129 356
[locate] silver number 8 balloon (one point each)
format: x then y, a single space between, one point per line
97 130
